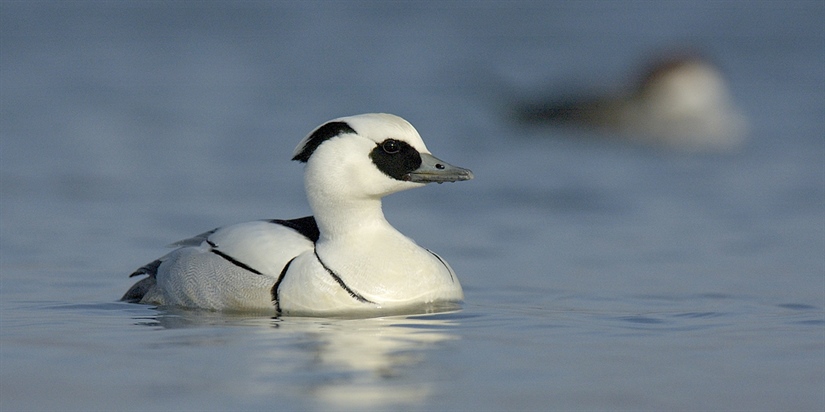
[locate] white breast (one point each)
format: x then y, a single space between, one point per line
384 270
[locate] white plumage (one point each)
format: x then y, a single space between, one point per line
346 259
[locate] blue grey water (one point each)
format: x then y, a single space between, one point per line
599 275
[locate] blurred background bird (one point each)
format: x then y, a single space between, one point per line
681 100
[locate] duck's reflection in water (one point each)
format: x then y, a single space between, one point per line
347 363
371 358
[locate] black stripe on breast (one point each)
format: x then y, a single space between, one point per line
232 260
275 298
341 282
452 277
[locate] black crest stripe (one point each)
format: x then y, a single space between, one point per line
232 260
320 135
341 282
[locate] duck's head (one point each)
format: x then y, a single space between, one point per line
370 156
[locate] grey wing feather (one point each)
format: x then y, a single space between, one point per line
195 240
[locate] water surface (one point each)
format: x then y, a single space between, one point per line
598 274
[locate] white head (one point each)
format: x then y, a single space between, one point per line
368 156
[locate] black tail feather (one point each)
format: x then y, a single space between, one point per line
136 293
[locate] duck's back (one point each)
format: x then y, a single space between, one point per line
234 267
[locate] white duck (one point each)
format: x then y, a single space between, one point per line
345 259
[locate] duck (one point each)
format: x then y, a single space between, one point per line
344 259
681 100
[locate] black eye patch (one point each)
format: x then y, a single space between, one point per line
395 158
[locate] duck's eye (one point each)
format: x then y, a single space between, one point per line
391 146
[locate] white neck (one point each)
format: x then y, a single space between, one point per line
345 192
339 219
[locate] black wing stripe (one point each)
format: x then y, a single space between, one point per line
341 282
232 260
